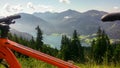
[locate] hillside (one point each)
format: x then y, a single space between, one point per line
28 23
85 23
21 34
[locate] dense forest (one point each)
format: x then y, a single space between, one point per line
101 50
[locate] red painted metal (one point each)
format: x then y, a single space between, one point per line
6 53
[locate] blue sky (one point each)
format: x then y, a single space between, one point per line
30 6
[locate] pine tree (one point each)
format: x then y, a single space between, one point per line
64 51
92 49
32 43
100 47
116 53
39 39
76 49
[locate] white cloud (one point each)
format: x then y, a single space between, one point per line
30 5
44 8
40 8
17 8
7 7
65 1
12 8
116 8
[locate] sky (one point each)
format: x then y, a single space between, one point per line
9 7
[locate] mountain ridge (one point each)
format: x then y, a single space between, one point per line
86 23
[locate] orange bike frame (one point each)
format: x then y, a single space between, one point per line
6 53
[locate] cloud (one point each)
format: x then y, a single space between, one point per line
116 8
30 5
44 8
39 8
7 7
12 8
65 1
17 8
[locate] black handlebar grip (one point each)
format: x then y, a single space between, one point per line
9 18
111 17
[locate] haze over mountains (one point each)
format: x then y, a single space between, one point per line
85 23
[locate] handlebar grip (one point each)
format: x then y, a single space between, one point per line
111 17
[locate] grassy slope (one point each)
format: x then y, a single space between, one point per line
33 63
97 66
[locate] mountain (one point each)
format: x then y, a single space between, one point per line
86 23
57 18
68 21
28 23
21 34
48 16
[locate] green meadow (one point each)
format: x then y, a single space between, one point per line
33 63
